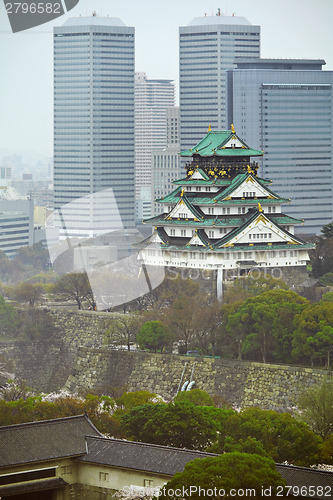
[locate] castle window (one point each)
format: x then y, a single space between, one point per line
148 483
210 210
172 232
66 469
182 215
183 232
211 234
103 476
198 188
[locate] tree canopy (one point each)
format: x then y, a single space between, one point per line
180 424
196 396
313 336
154 335
282 436
316 408
327 230
223 474
263 325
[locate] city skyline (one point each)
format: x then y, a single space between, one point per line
27 61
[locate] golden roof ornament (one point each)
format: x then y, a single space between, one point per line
233 128
259 207
209 128
182 192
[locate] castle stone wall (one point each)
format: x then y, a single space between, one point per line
75 359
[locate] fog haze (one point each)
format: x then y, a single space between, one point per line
289 29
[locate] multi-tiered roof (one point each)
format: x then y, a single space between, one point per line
222 206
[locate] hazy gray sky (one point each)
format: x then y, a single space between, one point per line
289 29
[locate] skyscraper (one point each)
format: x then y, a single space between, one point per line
208 46
152 98
284 107
94 124
166 162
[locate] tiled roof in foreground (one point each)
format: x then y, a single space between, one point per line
45 440
139 456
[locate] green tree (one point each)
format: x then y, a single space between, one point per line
312 336
245 287
327 297
74 286
154 335
129 400
248 445
327 279
263 325
34 408
180 424
198 397
316 408
321 257
283 437
227 472
327 230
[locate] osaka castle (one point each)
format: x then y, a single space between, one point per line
221 215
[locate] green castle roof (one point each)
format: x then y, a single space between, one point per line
214 144
219 197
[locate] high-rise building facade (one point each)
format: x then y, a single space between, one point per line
152 98
94 124
16 225
208 46
166 162
284 107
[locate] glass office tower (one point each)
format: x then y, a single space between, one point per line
284 107
208 46
94 125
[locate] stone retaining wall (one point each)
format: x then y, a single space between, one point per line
76 360
241 383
